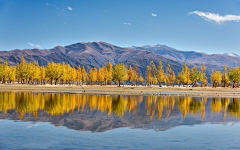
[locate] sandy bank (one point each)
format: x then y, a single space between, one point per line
126 90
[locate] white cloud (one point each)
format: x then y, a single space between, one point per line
127 23
31 44
154 15
216 17
34 45
69 8
47 4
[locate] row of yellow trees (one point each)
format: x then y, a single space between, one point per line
61 73
186 76
192 76
56 104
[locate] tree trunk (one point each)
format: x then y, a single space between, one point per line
119 83
51 81
56 82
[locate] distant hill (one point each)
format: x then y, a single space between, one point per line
230 59
97 54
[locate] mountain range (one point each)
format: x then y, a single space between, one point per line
97 54
230 59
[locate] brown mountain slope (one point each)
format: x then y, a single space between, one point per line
95 54
192 56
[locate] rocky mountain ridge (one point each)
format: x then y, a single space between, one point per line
97 54
230 59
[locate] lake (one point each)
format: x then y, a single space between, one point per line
74 121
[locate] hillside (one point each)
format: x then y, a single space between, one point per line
97 54
230 59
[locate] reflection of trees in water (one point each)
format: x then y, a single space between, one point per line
225 103
184 104
56 104
234 108
220 105
195 106
154 103
216 105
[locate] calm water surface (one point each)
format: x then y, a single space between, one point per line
70 121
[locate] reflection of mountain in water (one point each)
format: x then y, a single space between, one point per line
98 113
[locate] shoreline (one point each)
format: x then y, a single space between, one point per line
126 90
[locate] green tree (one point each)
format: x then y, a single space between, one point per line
195 75
119 73
234 75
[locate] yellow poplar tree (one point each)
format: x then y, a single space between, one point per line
36 71
203 70
22 70
101 75
216 77
109 72
148 75
168 75
154 80
140 80
12 74
135 72
160 73
225 78
84 74
172 78
234 75
79 74
73 74
90 76
184 75
130 74
42 74
94 77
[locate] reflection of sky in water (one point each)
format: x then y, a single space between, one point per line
19 135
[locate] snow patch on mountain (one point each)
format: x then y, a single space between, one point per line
231 54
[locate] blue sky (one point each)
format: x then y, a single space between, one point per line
185 25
